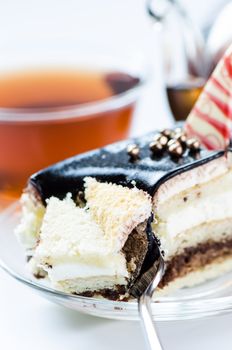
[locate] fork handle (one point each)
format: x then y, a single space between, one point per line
150 332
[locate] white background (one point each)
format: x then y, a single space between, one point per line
29 322
26 320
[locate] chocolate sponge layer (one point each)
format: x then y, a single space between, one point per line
194 258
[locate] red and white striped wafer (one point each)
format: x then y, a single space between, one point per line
210 120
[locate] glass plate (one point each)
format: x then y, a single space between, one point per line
208 299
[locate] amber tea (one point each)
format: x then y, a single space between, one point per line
182 97
28 144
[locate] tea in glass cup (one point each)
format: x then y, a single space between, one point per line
49 112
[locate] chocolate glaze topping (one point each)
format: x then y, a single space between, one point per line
112 164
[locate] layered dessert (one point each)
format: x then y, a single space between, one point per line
93 224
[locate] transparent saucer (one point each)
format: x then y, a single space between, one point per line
208 299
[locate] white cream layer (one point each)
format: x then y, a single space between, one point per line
214 230
204 210
203 203
80 277
70 270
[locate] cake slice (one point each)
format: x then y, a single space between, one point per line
87 249
93 223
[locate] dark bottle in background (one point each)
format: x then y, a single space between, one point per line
187 59
182 97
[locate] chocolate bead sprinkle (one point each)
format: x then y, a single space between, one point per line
167 133
170 142
193 144
163 140
156 147
175 149
133 151
182 138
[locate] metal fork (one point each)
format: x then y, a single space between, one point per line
150 281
